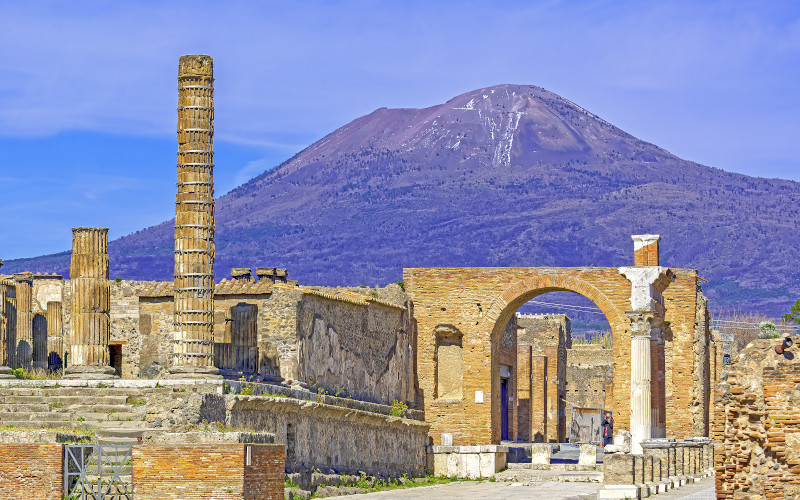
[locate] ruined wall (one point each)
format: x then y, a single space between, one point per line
155 322
317 435
331 340
686 357
549 336
361 350
590 369
756 416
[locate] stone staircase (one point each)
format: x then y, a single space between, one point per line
117 415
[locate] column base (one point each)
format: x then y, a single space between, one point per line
89 373
5 373
209 372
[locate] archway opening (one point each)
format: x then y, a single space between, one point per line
556 381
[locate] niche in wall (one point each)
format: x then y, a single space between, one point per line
449 362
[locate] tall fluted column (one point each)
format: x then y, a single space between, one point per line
5 370
55 335
91 291
23 351
194 221
640 380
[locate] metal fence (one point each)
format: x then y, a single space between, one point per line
98 472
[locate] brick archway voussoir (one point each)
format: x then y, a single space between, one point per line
544 284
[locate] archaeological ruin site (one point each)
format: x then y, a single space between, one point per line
252 385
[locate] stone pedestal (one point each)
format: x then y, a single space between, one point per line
540 453
468 461
619 477
587 454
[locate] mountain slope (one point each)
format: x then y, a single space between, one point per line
504 176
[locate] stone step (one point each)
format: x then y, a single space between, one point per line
34 424
72 391
64 400
106 417
34 416
119 436
118 440
27 407
104 408
111 424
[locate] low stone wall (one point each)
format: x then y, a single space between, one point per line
223 471
471 462
665 464
31 471
331 438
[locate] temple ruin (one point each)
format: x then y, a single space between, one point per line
347 379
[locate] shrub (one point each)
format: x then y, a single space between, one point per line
398 409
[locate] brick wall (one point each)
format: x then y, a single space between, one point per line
589 372
189 471
756 427
31 471
480 301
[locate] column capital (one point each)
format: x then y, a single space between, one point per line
647 284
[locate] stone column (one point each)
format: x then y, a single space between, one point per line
39 341
640 381
55 336
193 354
23 350
5 370
91 292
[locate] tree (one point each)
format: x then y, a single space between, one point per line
794 313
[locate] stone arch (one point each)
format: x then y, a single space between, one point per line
504 305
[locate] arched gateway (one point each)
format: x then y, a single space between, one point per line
658 319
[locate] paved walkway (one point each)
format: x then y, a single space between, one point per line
485 490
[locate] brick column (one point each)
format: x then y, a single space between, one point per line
23 348
5 370
645 249
193 354
91 292
55 335
539 398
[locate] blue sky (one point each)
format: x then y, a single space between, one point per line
88 89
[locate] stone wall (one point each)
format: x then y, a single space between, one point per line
316 435
223 471
359 350
331 340
31 471
590 369
757 424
